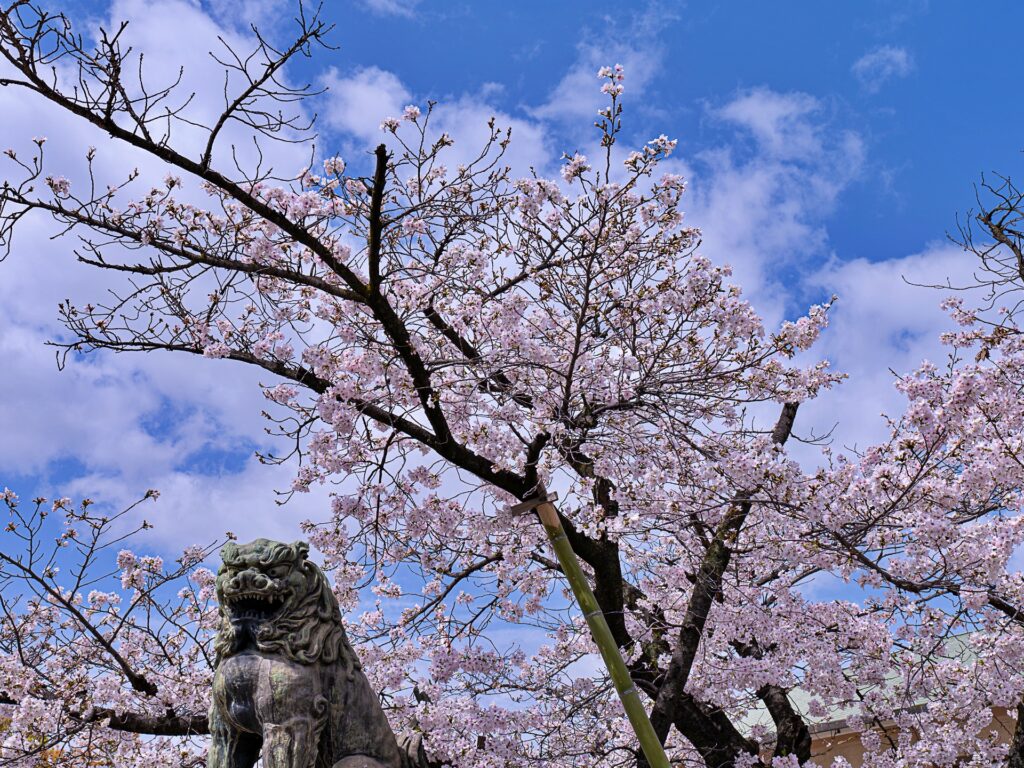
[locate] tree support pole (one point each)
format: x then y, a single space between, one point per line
602 635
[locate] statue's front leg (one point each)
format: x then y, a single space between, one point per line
229 747
292 744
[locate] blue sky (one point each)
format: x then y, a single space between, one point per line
941 111
829 147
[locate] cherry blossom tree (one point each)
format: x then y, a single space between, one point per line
446 337
99 646
930 519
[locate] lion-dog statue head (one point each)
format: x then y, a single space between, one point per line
274 599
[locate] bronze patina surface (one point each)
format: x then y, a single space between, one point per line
288 686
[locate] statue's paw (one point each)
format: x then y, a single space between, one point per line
413 753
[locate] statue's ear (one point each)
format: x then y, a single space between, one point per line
229 551
301 549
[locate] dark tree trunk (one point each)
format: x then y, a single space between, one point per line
1016 757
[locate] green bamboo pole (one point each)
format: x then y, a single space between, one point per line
628 694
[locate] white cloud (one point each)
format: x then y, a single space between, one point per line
784 124
404 8
177 34
196 508
128 423
876 67
884 323
577 96
111 426
357 104
465 119
763 207
631 40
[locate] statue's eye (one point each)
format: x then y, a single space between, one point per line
279 571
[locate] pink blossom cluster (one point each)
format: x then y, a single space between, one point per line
614 75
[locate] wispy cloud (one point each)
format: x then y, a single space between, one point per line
877 67
634 43
404 8
784 124
763 196
577 95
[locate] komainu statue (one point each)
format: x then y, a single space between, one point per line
288 686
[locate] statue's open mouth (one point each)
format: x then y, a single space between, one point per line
255 606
